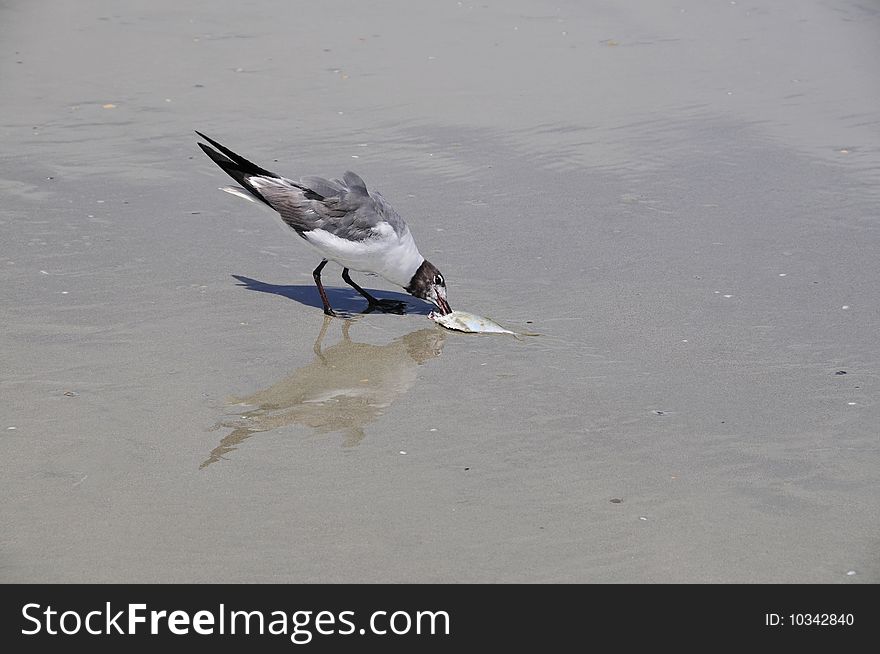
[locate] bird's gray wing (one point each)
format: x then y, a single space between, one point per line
343 207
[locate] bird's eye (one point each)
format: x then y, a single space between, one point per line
438 280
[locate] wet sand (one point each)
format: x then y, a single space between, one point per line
683 201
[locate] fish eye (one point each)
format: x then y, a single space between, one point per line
438 280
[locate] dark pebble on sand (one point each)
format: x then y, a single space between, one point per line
616 500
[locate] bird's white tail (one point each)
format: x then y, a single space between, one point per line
240 192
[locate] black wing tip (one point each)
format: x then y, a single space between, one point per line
209 140
232 158
211 152
226 152
220 159
234 165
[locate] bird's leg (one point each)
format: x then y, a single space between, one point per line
391 306
316 274
351 283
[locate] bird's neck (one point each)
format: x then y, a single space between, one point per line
405 263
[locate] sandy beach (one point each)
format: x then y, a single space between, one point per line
682 199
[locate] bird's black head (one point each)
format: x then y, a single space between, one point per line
429 285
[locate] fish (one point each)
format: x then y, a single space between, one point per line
463 321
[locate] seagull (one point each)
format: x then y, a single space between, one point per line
345 223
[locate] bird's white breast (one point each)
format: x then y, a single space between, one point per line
394 257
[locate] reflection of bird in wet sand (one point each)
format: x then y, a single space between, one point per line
346 387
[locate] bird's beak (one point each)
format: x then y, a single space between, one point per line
443 305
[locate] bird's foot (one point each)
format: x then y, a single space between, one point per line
386 306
